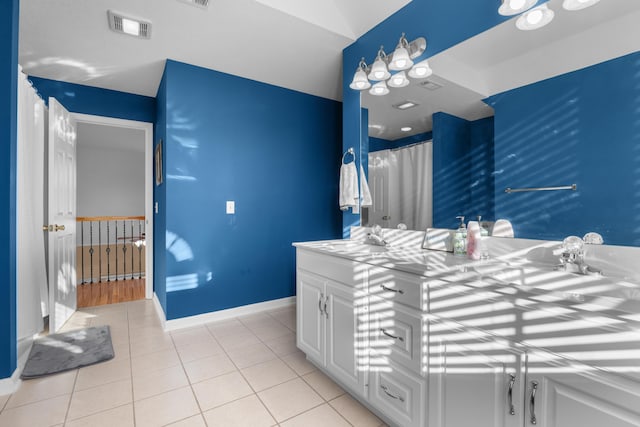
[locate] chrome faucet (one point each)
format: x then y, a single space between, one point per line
572 257
375 237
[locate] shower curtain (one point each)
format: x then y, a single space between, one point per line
32 289
410 186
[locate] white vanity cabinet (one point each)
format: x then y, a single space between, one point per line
562 393
474 380
331 318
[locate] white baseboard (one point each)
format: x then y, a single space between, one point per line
11 384
159 311
200 319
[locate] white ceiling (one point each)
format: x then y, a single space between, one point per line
504 58
295 44
106 137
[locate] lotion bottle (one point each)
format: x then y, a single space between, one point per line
473 240
460 238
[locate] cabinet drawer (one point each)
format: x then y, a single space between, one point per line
399 395
397 333
398 286
338 269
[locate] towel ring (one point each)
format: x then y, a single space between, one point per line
349 151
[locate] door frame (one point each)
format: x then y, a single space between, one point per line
148 182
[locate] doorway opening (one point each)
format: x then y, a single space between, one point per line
114 210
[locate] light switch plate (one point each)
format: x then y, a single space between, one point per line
231 207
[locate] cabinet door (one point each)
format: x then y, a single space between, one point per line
569 394
346 342
473 381
309 315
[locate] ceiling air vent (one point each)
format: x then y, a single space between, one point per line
431 85
127 25
200 3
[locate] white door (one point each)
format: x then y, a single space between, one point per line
345 358
61 215
310 315
379 186
570 394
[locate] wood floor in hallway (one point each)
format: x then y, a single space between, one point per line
101 293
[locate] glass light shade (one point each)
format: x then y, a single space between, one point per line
379 70
400 60
399 80
514 7
379 89
536 18
421 70
360 81
578 4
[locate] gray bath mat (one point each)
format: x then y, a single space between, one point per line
62 352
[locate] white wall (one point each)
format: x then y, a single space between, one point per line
110 178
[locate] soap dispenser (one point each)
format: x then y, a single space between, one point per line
460 238
483 231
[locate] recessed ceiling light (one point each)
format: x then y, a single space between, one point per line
200 3
406 129
578 4
431 85
127 25
405 105
535 18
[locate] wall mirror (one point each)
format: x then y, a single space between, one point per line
551 107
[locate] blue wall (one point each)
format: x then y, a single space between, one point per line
8 158
276 153
377 144
582 128
99 102
444 23
462 169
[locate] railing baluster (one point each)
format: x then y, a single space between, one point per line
116 244
139 249
91 247
82 250
99 251
132 241
124 250
108 253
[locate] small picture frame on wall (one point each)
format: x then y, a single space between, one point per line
158 163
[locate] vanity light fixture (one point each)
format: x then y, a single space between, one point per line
127 25
379 89
379 69
421 70
514 7
360 81
578 4
399 80
535 18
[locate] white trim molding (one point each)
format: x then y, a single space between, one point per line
159 311
201 319
11 384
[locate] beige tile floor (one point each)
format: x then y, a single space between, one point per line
245 371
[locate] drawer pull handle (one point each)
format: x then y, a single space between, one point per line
325 307
397 291
512 380
532 402
386 391
320 304
391 336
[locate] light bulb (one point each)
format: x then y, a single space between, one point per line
516 4
421 70
534 17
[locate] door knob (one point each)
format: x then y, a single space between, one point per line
47 228
59 227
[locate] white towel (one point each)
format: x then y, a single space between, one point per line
349 195
364 189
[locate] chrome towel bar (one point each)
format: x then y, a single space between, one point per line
572 187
